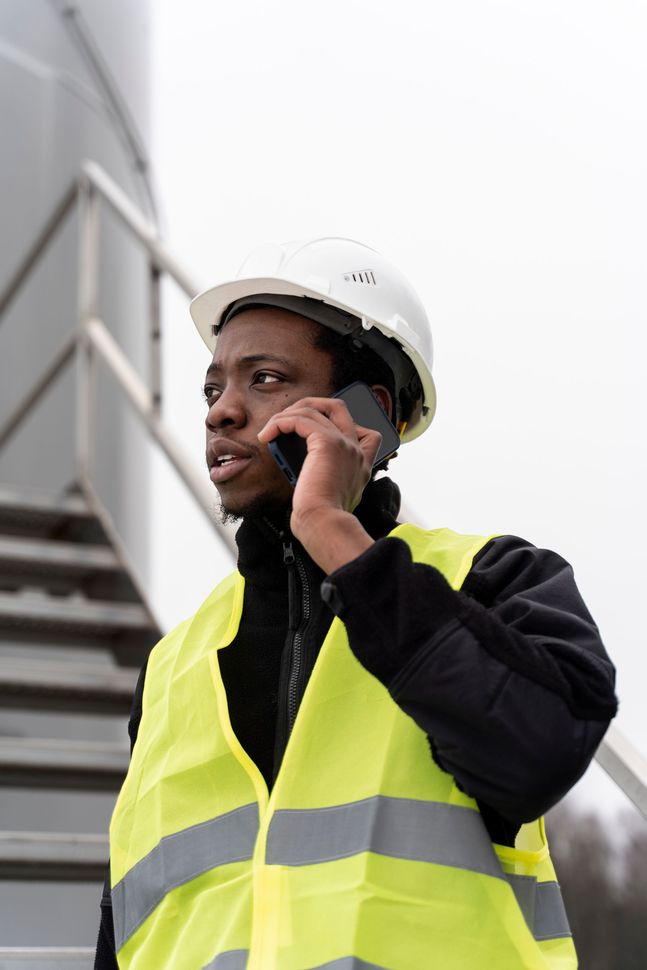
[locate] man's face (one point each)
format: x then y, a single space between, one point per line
264 361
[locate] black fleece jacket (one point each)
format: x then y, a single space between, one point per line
508 677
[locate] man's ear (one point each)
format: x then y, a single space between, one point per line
384 398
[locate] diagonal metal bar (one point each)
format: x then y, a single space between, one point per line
142 400
140 227
37 249
47 378
626 766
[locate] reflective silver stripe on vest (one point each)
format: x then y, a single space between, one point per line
230 960
447 835
177 859
525 890
551 921
542 906
348 963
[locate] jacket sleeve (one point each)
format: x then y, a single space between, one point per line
105 957
508 676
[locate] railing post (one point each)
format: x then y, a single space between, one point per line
88 295
155 337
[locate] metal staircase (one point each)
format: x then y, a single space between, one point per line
65 596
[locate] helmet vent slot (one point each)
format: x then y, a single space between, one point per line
365 276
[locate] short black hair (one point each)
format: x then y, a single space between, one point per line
354 361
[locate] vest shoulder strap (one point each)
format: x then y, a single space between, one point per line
451 553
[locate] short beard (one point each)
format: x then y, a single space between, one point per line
261 507
228 518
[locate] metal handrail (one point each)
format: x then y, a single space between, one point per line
93 178
617 756
626 766
91 335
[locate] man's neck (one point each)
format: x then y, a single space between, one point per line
260 536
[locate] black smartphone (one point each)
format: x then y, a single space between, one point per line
289 450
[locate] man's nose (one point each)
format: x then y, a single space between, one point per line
227 410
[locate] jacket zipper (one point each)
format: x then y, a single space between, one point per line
296 660
299 609
294 562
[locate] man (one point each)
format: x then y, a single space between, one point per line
343 758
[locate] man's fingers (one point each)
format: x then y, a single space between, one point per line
320 412
369 441
301 422
333 407
325 416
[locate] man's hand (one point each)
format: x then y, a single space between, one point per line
331 481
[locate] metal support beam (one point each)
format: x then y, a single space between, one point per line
37 248
47 378
626 767
155 337
88 295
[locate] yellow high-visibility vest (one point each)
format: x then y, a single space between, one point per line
366 856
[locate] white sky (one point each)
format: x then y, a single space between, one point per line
496 152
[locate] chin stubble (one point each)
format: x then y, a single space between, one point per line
257 508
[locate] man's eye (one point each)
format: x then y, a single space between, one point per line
264 378
210 393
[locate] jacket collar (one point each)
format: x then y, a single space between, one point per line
260 540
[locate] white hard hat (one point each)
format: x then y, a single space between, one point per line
338 273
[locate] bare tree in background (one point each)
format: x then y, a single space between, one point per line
602 869
632 910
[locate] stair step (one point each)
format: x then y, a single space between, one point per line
48 555
53 856
75 614
79 687
33 501
55 763
32 512
46 958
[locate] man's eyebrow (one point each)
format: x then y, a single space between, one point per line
215 367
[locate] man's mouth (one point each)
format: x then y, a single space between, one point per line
226 466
